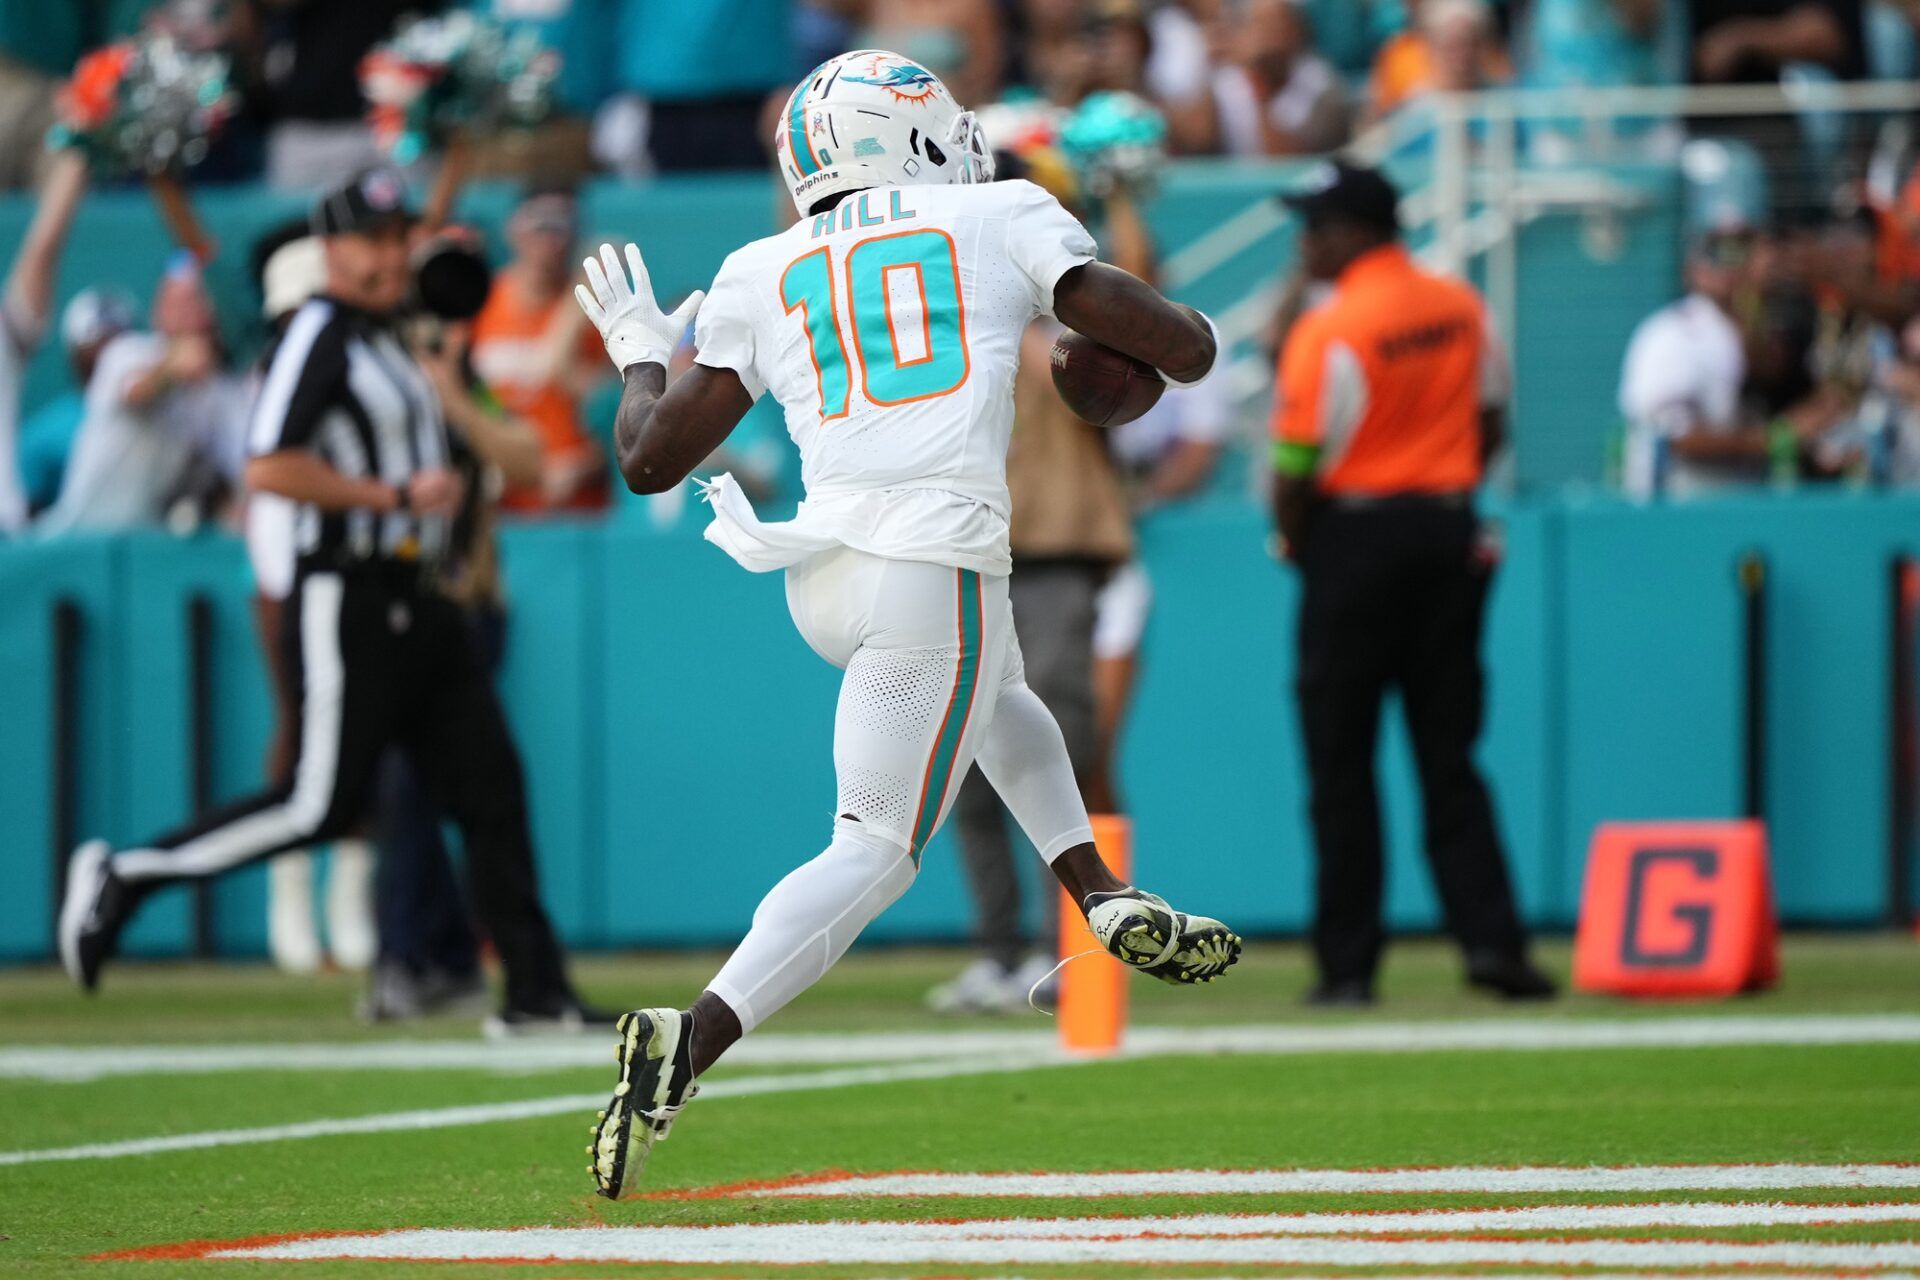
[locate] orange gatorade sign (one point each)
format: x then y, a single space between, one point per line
1677 909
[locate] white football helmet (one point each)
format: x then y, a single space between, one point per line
874 119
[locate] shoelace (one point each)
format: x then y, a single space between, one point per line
668 1113
1166 951
1034 990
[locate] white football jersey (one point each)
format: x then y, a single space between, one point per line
889 331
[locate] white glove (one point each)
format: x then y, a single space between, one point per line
629 320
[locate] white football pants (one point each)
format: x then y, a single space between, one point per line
933 683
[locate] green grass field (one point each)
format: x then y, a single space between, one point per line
1825 1071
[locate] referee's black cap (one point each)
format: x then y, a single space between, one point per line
371 198
1338 191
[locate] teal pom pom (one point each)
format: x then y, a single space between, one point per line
1116 140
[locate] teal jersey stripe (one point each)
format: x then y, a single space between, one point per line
953 726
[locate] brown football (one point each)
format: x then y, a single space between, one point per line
1101 385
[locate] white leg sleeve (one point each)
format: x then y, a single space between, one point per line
923 646
1025 758
809 920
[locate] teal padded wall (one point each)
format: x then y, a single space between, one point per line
677 732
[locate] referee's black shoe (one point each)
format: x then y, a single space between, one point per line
1510 977
97 907
1340 993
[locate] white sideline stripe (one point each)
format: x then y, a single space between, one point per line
493 1112
1262 1238
59 1063
1461 1179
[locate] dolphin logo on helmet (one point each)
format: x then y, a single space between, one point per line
905 81
871 118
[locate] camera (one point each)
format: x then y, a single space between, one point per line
450 277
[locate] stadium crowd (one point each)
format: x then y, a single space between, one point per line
646 86
651 85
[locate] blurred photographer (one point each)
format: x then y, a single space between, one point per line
429 955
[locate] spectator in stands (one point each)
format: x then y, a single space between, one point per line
1884 445
1050 57
1160 53
698 77
577 31
1812 346
26 305
1759 42
1680 389
1119 46
958 40
1278 97
1583 44
1179 70
1447 45
533 347
1575 44
92 318
40 40
163 413
1753 41
301 62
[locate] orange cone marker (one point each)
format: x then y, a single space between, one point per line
1093 989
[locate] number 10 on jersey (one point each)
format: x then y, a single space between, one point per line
902 292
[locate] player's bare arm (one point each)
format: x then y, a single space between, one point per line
662 433
1126 313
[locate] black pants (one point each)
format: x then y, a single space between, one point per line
422 910
1394 597
378 662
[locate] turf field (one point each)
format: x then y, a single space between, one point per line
192 1112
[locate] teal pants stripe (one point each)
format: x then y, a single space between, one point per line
953 725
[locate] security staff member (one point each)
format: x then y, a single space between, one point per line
1389 405
347 427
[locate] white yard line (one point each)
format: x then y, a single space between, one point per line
1208 1239
494 1112
1471 1179
516 1057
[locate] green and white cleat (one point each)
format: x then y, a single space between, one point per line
1141 930
656 1082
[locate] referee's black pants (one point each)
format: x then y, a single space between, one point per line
1394 596
379 661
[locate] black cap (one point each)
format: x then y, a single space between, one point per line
1336 191
369 198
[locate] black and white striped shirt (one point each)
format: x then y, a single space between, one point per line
340 384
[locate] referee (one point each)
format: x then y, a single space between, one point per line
347 427
1390 402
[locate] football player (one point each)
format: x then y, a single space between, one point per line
886 322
